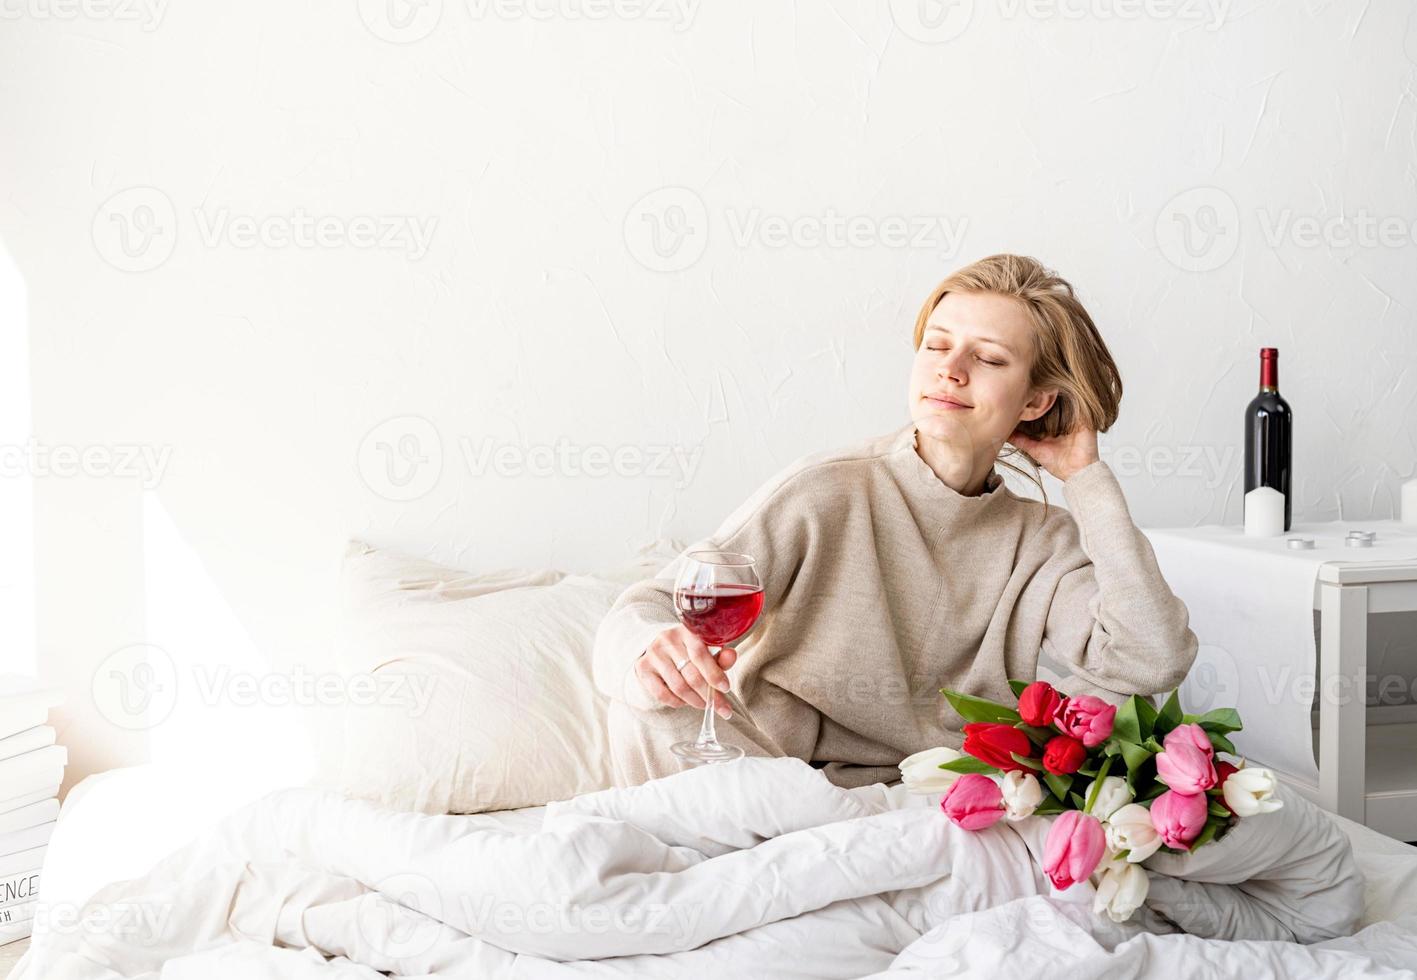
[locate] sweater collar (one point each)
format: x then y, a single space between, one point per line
915 475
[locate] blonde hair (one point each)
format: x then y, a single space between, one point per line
1069 353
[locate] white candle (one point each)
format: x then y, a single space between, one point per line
1409 502
1264 512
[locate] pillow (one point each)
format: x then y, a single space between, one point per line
484 693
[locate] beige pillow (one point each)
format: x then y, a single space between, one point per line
485 699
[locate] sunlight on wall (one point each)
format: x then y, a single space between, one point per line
17 609
229 714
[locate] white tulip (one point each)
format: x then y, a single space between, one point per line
1251 791
1121 891
1113 795
922 773
1022 794
1130 829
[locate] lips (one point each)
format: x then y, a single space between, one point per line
947 402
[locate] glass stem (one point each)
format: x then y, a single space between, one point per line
708 736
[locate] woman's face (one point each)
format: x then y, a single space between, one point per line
969 385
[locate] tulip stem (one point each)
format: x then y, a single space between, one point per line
1097 784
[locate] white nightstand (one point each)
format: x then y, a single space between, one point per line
1252 604
1367 756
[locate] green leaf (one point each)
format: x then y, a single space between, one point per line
1220 743
1156 790
971 708
1206 835
1168 717
1077 800
1126 725
1218 810
1048 807
1058 784
1222 720
1036 733
1017 687
1097 786
1146 714
967 764
1153 746
1024 760
1135 756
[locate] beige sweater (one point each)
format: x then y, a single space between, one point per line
882 585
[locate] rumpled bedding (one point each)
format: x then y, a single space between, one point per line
756 868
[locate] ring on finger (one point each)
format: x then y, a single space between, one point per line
679 664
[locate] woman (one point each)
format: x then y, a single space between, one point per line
897 567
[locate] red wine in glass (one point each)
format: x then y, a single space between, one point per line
721 613
718 597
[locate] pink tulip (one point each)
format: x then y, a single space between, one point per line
1086 718
1179 817
1188 764
974 801
1073 848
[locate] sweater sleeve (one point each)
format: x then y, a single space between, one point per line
773 526
1113 621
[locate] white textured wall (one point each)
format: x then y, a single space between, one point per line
702 227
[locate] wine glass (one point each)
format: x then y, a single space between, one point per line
718 597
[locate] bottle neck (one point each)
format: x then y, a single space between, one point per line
1269 373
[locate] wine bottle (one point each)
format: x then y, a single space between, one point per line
1269 425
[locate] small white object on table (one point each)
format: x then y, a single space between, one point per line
1251 601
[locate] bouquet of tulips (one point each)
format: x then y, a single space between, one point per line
1123 782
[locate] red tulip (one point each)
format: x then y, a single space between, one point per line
1038 702
992 743
1063 755
1222 773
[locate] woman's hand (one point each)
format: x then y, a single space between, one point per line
1062 455
673 667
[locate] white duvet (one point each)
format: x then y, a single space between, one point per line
758 868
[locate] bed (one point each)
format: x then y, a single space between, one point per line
152 812
425 850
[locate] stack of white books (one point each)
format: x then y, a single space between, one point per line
31 769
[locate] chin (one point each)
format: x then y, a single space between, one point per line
944 429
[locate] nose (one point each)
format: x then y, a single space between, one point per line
952 366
